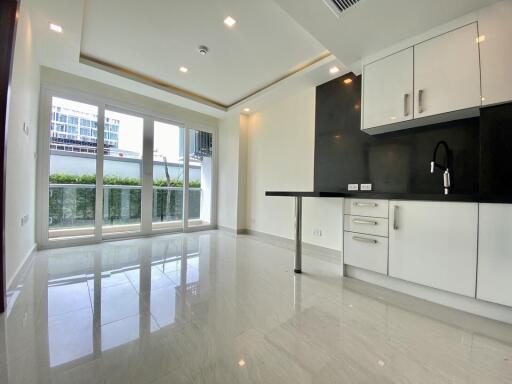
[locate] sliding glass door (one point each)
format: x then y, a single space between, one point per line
72 143
168 176
122 172
200 178
114 172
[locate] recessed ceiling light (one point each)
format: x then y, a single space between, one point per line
480 39
55 28
184 69
241 363
229 21
247 110
348 80
333 70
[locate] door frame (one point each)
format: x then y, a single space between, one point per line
51 90
8 16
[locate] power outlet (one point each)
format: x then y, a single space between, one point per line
366 187
353 187
317 232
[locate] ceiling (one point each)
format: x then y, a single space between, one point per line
155 38
372 25
267 54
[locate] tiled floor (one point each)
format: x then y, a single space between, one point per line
215 308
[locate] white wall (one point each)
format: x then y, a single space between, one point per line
280 156
21 163
232 171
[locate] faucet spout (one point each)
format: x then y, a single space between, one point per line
444 168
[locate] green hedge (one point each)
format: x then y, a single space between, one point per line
61 178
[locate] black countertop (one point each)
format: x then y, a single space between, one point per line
506 199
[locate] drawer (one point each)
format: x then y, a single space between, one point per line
367 252
366 207
369 225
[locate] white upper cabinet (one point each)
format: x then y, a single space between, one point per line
434 81
495 27
434 244
388 90
495 254
447 73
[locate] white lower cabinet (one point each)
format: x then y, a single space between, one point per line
366 251
495 254
434 244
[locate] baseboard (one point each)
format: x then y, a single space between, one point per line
232 230
307 248
17 274
447 299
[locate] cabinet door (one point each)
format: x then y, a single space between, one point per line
447 73
495 254
388 90
434 244
495 27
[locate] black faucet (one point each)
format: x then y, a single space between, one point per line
444 168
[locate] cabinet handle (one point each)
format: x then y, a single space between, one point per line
359 204
420 101
364 240
369 222
406 104
395 217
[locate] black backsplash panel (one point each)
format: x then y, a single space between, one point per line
396 162
496 150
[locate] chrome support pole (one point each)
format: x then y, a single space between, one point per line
298 234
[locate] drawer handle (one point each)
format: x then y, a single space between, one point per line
364 240
367 222
359 204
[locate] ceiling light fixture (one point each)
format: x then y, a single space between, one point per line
229 21
55 28
334 70
348 80
480 39
241 363
247 110
184 69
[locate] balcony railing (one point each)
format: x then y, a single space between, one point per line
73 205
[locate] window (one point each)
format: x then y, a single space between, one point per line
131 199
72 176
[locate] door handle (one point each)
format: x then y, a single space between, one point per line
395 217
406 104
368 222
420 101
364 240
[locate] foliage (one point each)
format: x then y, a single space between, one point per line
61 178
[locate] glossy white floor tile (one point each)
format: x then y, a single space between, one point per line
217 308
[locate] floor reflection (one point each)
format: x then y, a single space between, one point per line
216 308
103 299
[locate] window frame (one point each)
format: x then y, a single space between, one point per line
103 103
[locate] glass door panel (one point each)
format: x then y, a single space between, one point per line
122 173
72 169
168 172
200 178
